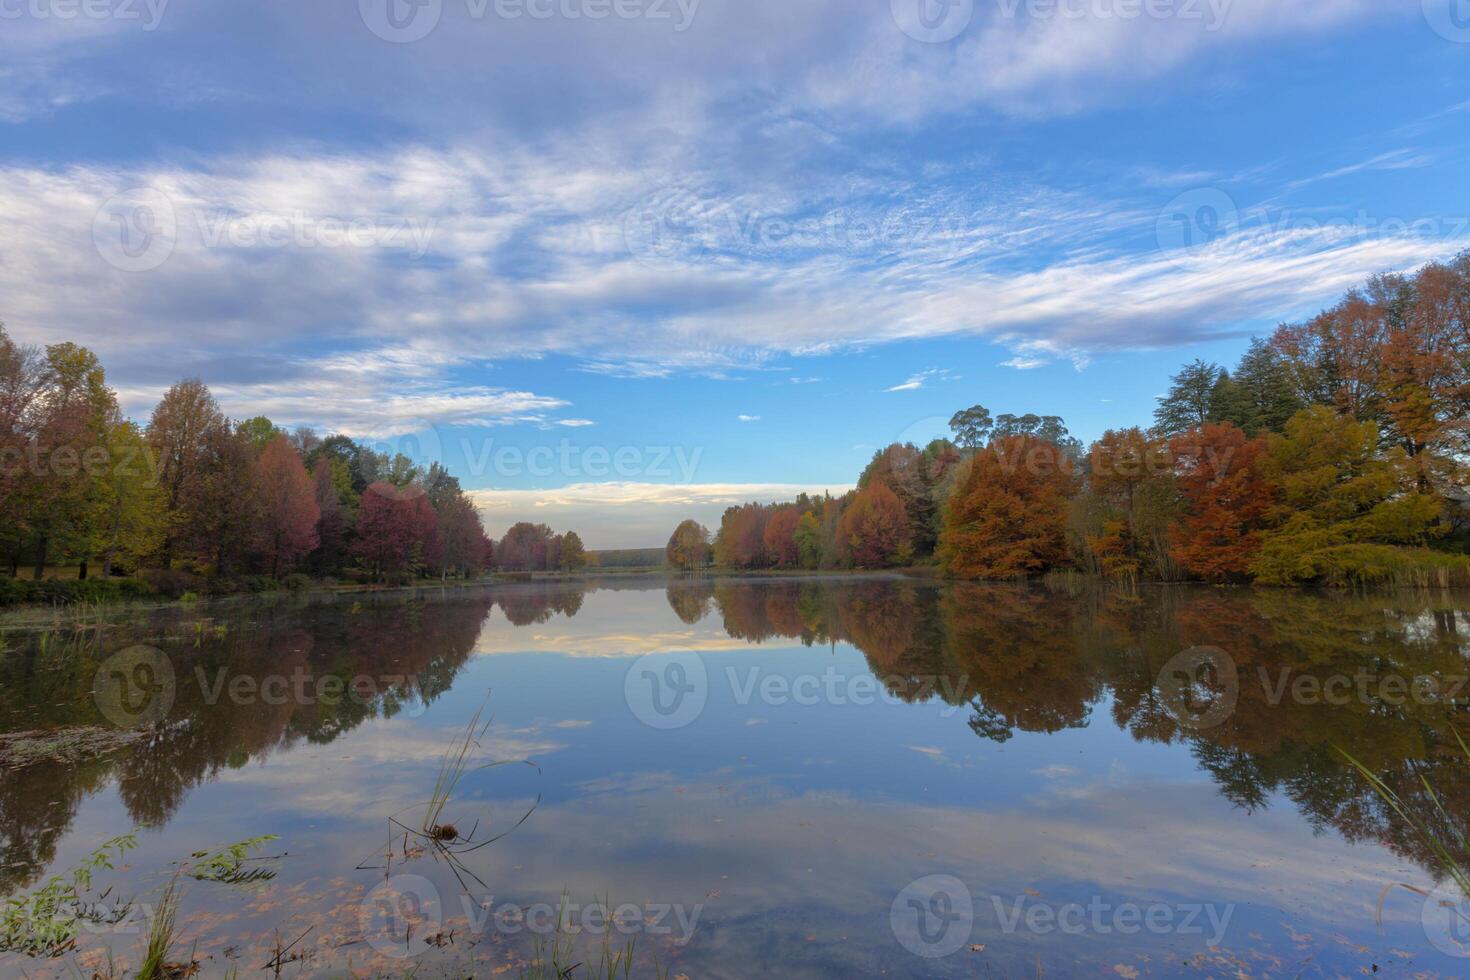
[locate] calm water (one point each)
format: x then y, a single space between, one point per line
818 778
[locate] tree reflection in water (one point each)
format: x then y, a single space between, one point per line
1019 660
1035 660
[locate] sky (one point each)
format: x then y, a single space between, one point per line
621 262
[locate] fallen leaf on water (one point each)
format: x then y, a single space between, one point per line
977 948
1123 970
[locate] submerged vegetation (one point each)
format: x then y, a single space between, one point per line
47 922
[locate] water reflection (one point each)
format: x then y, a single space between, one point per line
1012 663
1383 677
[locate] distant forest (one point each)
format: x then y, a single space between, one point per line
195 500
1335 452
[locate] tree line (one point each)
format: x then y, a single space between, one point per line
194 493
1336 451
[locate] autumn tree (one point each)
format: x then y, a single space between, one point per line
391 528
465 549
1343 500
571 554
127 523
907 472
873 531
1130 478
1228 498
331 489
688 546
526 547
1009 516
220 507
67 454
740 542
286 530
780 537
180 432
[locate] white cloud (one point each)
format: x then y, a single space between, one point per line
917 381
748 418
1025 363
370 336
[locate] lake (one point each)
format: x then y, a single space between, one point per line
792 777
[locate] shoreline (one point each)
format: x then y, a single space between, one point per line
22 614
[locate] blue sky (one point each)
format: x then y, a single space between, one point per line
743 244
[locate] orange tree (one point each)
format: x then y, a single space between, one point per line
1227 497
1009 516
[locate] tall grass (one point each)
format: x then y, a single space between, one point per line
162 934
1444 850
452 770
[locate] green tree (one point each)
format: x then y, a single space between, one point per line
971 427
259 432
1190 401
128 521
1344 501
1260 396
572 554
809 540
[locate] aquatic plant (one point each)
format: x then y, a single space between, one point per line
1445 850
162 936
46 922
226 865
434 833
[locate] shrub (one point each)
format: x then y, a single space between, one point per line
172 582
297 582
58 592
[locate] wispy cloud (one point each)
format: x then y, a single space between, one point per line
1402 159
917 381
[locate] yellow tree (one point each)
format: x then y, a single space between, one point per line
1344 501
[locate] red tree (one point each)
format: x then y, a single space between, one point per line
286 531
780 537
873 531
1229 497
741 542
390 523
333 525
